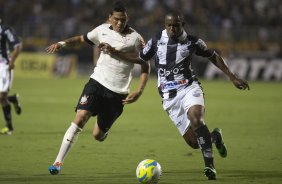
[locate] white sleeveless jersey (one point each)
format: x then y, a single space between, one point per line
112 73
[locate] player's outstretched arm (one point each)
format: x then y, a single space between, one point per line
218 61
126 56
145 72
68 42
14 55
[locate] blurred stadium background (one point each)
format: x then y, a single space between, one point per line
247 32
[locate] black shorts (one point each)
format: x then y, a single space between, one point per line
101 102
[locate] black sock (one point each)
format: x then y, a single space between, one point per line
205 143
7 116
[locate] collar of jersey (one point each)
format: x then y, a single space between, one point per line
183 36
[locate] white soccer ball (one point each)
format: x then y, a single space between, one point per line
148 171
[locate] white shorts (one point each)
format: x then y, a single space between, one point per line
6 77
178 106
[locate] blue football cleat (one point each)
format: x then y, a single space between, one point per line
55 169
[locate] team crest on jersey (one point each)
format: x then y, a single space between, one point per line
84 100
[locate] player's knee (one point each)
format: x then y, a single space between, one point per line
100 136
82 117
82 120
96 137
196 122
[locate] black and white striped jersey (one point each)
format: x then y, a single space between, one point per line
173 60
8 40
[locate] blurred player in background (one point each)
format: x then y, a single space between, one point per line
10 47
106 93
181 92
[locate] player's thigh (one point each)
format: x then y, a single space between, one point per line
194 104
89 99
196 116
176 112
193 95
109 112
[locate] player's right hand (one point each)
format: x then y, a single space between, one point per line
53 48
106 48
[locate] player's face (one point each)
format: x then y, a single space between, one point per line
118 20
173 26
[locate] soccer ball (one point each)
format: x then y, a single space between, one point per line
148 171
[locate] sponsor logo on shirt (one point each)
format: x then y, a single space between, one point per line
164 73
173 84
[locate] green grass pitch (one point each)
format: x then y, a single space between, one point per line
251 123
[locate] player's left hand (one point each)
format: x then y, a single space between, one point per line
240 84
131 98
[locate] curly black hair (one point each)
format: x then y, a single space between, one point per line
119 7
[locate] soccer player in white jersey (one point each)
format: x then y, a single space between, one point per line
181 92
10 48
107 91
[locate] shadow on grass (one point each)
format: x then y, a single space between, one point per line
225 176
105 178
169 177
247 174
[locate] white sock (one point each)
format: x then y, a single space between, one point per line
69 139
